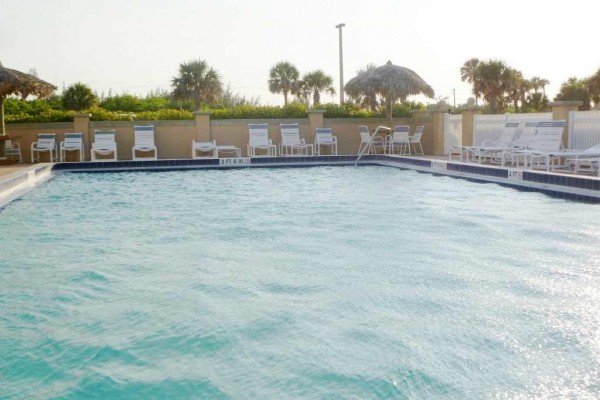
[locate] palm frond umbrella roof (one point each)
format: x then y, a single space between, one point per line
389 80
17 82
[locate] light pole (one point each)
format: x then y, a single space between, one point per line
340 26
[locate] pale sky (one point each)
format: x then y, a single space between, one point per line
136 46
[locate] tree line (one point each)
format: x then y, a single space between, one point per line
501 86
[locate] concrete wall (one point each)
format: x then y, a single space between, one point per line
174 138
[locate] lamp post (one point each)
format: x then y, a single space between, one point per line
340 26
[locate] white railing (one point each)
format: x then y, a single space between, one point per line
489 127
584 129
452 131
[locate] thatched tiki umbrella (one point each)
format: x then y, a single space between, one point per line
16 82
390 81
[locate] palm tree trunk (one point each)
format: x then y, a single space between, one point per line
285 94
316 98
2 127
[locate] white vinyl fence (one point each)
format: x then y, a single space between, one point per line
489 127
452 131
584 129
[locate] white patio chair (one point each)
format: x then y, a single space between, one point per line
104 145
12 150
290 141
46 143
324 137
415 140
72 142
373 144
259 140
144 143
204 149
399 138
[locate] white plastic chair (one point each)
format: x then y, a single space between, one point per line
290 141
72 142
259 140
104 145
46 143
12 150
324 137
204 149
373 144
415 139
399 138
144 143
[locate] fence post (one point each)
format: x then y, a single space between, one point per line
438 131
81 124
315 120
468 115
202 126
560 110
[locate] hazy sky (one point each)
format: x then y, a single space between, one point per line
135 46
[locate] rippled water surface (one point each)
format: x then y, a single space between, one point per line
320 283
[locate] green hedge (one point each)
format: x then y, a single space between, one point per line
16 114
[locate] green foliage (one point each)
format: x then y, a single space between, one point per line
44 116
293 110
100 114
78 97
575 89
347 110
129 103
165 114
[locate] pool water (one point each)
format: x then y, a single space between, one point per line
318 283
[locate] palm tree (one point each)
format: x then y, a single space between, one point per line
78 97
198 82
491 81
283 78
316 82
468 73
513 85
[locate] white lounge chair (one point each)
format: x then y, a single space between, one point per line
204 149
46 143
576 160
578 165
72 142
548 139
399 138
144 143
415 140
489 148
324 137
12 150
104 146
291 142
259 140
371 144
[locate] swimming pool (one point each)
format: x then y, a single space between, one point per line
297 283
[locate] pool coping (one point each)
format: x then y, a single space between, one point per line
570 187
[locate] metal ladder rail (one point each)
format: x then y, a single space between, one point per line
368 145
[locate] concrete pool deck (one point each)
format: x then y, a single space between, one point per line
17 179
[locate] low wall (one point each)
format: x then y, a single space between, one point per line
174 138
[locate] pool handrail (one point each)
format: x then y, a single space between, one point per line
360 154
